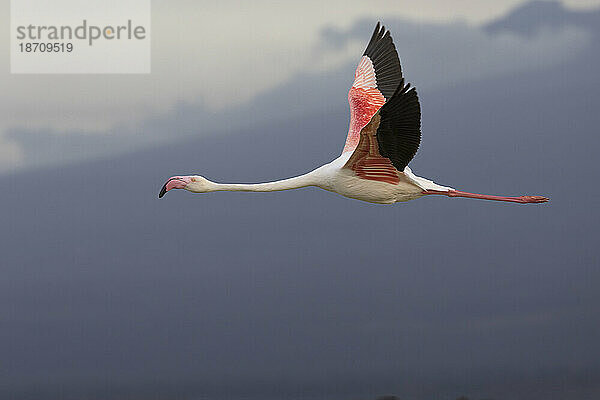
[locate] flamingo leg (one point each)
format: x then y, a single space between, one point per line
519 199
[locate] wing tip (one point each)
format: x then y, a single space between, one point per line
381 51
378 33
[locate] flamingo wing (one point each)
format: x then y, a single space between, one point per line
390 140
376 78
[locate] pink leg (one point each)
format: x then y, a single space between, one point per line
520 199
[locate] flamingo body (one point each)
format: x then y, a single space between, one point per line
335 178
383 137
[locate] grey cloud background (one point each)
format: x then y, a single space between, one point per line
109 293
53 120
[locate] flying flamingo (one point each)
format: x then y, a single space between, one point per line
384 135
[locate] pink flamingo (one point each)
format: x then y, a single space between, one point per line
384 135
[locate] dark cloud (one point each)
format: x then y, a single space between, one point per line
531 17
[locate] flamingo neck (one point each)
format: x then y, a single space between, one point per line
284 184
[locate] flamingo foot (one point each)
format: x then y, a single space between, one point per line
533 199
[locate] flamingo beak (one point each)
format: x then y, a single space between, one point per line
162 191
176 182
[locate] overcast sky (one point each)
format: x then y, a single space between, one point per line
108 292
259 45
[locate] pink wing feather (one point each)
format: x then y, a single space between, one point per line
376 78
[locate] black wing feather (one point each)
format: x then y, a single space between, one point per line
399 131
383 55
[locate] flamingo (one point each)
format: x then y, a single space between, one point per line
383 137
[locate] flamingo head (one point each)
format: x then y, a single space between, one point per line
193 183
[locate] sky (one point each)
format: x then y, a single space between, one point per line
194 67
109 293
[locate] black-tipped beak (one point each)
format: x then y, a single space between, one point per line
163 190
176 185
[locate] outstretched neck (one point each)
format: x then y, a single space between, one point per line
286 184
